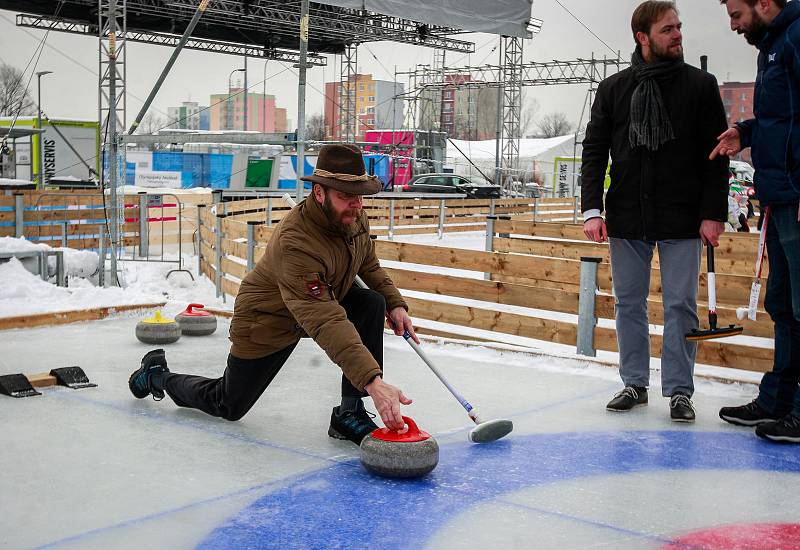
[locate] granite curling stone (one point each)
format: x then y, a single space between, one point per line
158 330
387 453
196 322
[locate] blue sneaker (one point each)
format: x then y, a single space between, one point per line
141 381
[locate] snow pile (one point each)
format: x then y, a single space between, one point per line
23 293
79 263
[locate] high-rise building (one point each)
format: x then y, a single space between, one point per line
227 112
738 100
461 111
188 116
737 97
378 105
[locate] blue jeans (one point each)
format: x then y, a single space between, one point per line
778 392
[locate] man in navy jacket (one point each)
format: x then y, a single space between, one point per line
773 26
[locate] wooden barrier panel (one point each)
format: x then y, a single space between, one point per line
561 296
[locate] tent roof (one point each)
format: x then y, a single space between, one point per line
528 147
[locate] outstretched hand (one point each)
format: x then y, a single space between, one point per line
387 400
730 143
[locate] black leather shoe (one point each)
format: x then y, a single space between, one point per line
351 425
681 408
627 399
785 430
751 414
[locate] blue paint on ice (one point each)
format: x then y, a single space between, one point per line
344 506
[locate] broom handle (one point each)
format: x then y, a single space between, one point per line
464 403
712 288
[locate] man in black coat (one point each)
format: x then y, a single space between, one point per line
658 120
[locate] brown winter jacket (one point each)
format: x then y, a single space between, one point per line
294 290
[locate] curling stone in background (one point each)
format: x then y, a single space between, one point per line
413 453
195 322
158 330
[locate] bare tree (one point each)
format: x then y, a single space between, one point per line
13 97
315 127
151 124
528 113
554 124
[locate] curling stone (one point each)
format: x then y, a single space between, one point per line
158 330
412 453
196 323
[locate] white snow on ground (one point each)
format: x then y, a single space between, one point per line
23 293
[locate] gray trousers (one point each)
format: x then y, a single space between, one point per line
680 269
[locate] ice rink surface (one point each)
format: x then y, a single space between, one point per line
96 468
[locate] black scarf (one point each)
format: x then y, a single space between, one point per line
650 125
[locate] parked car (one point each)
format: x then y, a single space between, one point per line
474 188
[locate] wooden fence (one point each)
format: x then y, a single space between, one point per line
228 244
77 219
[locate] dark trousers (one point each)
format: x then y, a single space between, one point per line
778 392
244 380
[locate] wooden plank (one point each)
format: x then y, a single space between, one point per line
81 214
264 233
41 380
229 287
552 248
78 229
487 291
709 352
66 317
233 229
229 267
234 248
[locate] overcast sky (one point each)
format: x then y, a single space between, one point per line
72 91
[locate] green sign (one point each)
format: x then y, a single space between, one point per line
259 172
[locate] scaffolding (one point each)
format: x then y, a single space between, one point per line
510 76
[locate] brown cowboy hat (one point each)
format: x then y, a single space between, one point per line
341 166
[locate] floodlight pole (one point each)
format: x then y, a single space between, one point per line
301 101
186 34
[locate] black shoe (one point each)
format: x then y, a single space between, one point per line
747 415
351 425
627 399
785 430
681 408
141 381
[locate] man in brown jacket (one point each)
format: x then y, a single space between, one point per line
304 285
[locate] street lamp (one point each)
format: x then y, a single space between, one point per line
230 110
39 76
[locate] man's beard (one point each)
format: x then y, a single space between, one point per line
336 219
665 54
757 30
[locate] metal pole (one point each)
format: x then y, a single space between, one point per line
186 34
112 129
491 207
200 213
391 219
19 215
61 275
43 268
218 267
575 208
64 234
269 211
489 241
251 244
441 218
245 93
301 101
535 208
101 253
587 319
144 226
